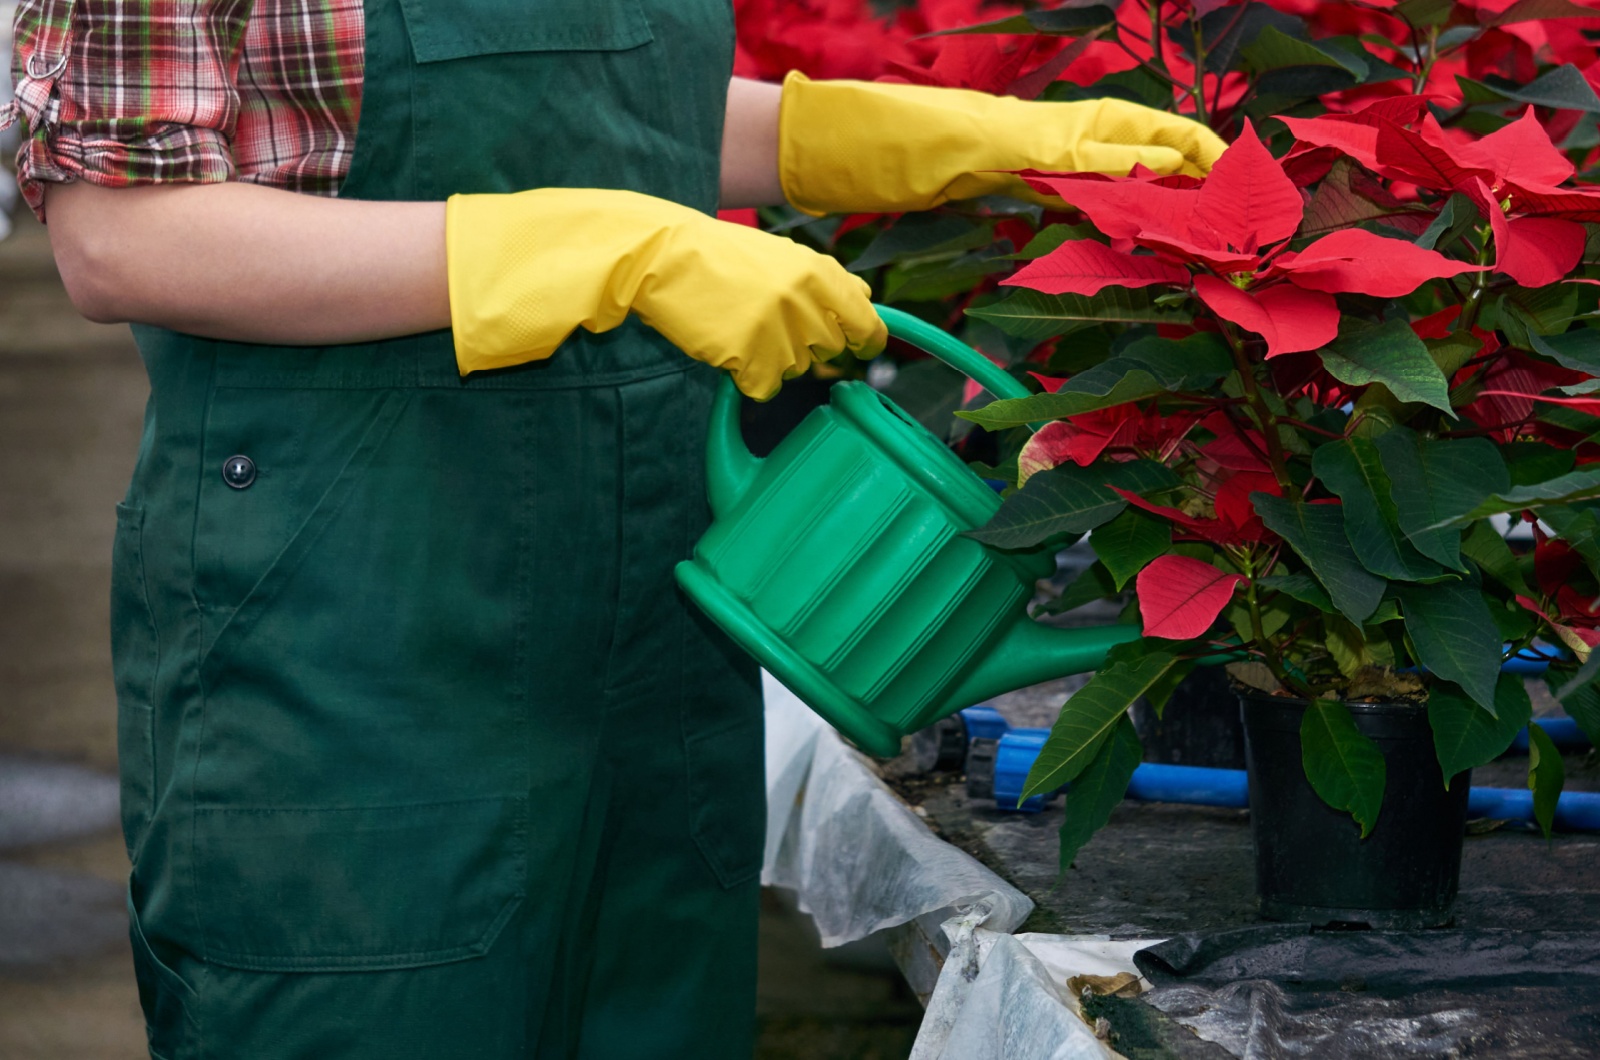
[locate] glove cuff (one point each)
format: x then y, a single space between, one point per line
857 146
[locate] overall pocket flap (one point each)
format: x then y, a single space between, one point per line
357 889
491 27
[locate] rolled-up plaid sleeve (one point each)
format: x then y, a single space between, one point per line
125 92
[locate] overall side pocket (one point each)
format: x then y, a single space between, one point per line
135 657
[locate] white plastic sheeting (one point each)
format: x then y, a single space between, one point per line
857 858
861 861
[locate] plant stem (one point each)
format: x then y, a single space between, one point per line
1480 281
1199 72
1149 68
1157 35
1264 416
1258 631
1304 426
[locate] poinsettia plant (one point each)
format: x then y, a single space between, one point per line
1220 62
1301 404
1370 353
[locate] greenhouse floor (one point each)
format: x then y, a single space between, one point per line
1161 870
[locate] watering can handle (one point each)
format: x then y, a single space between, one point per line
731 467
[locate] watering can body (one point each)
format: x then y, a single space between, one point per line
839 563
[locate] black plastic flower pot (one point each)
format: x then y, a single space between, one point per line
1312 865
1200 725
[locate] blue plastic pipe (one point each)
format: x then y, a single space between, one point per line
1576 811
1195 785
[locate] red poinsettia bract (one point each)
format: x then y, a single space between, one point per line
1513 176
1180 597
1233 229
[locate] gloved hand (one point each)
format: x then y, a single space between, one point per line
527 269
857 146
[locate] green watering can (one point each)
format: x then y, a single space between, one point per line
838 562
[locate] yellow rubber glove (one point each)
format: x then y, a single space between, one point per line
527 269
857 146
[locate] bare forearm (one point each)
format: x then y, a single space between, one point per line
750 145
251 264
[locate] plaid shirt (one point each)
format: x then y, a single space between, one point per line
151 91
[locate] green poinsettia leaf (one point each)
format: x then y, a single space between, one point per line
1580 485
1547 775
1032 315
1563 88
1129 542
1109 387
1539 11
1099 788
1455 636
1580 696
1436 481
1088 718
1274 49
1389 353
1353 469
1530 463
1149 366
1094 583
1316 533
1069 500
1070 20
1453 219
1578 349
1485 547
1345 768
1465 735
921 235
1302 587
1052 236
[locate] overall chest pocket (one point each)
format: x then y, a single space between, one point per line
509 95
441 32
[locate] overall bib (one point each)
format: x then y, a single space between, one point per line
423 754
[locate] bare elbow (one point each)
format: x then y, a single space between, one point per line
89 273
87 250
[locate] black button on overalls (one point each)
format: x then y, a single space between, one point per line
238 471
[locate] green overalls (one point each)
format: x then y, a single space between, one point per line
423 753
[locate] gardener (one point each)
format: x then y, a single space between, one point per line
422 754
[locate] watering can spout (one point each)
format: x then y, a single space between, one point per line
1029 653
731 467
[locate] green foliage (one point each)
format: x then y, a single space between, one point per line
1580 697
1547 775
1455 635
1348 484
1563 88
1391 354
1130 541
1345 767
1316 533
1148 367
1069 500
1563 489
1031 315
1485 547
1094 583
1089 717
1437 481
1353 469
1467 736
1099 788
